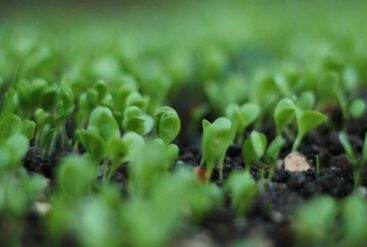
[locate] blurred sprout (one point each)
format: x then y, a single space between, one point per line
243 190
217 137
168 124
253 148
137 121
241 117
315 220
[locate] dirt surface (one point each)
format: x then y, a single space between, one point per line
269 216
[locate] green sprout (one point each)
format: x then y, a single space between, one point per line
150 163
103 142
243 190
56 104
217 137
12 151
241 117
75 176
137 121
357 162
194 202
284 114
127 87
168 124
136 99
314 221
286 111
357 108
156 84
29 94
253 149
94 96
330 87
306 120
14 125
306 100
317 165
18 189
354 215
272 153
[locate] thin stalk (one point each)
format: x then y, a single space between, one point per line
317 165
220 168
271 169
113 168
297 142
52 146
356 176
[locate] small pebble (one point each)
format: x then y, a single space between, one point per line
295 162
42 208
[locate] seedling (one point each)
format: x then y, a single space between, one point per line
14 125
57 103
354 215
156 85
241 117
137 121
306 100
284 114
75 176
232 91
243 190
317 165
94 96
102 126
128 86
168 124
357 162
306 120
357 108
150 163
136 99
272 153
253 149
217 137
314 221
286 111
103 142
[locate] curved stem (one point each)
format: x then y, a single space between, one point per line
297 142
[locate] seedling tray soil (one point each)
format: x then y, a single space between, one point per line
268 217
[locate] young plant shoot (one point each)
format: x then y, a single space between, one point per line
242 188
272 153
286 111
357 161
137 121
306 121
241 117
314 221
354 216
103 141
253 150
217 137
168 124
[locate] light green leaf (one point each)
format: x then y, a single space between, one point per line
284 114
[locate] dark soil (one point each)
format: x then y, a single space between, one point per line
269 216
35 163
